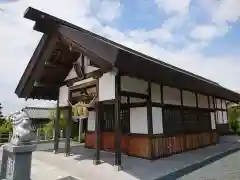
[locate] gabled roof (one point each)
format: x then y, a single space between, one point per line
38 112
106 54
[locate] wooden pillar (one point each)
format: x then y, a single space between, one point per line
149 118
57 127
118 158
97 128
68 126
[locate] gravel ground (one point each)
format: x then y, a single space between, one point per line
227 168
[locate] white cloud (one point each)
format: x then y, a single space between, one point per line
108 10
159 34
227 11
208 32
173 6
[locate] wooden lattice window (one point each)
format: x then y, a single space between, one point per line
204 120
172 121
190 120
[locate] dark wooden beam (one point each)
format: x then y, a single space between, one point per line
133 94
97 129
118 128
149 117
95 74
68 126
162 98
57 127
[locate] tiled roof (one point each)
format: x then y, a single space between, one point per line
38 112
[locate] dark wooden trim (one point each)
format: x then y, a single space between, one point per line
197 105
84 85
118 156
83 66
128 100
97 128
162 100
68 127
133 94
209 106
131 105
94 74
149 116
155 104
57 127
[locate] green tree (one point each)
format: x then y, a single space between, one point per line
234 118
49 127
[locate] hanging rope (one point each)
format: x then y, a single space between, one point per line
81 108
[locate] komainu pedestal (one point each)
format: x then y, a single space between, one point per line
17 155
16 162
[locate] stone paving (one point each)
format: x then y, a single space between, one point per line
227 168
49 166
80 164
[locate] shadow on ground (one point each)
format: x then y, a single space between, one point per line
172 167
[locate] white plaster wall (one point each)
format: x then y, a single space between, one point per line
137 100
91 121
156 93
107 87
211 102
63 96
224 104
225 118
72 74
189 99
219 117
87 67
213 122
218 103
202 101
138 120
133 85
171 95
157 120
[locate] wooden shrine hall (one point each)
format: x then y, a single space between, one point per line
140 106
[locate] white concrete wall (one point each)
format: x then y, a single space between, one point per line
87 68
218 103
202 101
91 121
219 117
213 122
138 120
171 95
156 93
157 120
189 99
224 106
63 96
107 87
134 85
225 118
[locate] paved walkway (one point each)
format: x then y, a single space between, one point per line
80 164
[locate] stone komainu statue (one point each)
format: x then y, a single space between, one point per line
22 128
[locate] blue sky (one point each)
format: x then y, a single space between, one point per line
201 36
